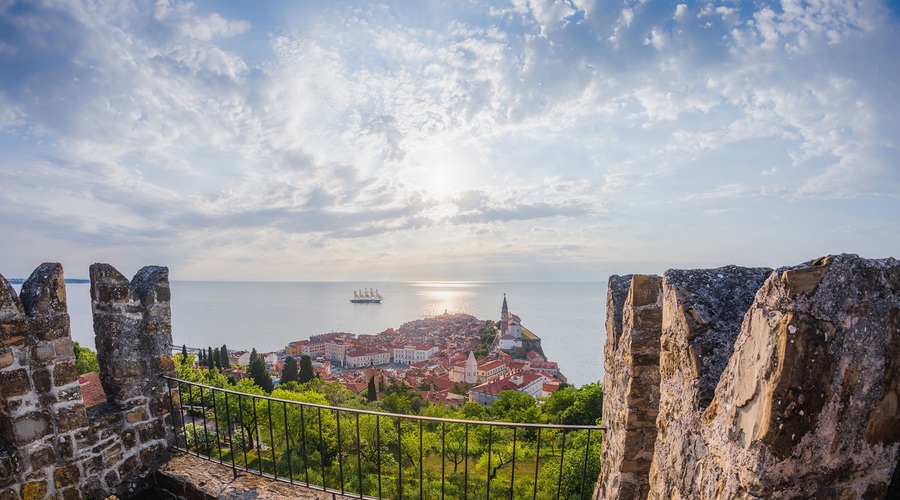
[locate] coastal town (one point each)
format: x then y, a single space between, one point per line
450 358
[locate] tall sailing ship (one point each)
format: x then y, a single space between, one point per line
366 296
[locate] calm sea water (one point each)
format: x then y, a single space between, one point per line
569 317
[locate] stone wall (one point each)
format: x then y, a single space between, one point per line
50 445
774 384
631 385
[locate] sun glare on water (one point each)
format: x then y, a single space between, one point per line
451 297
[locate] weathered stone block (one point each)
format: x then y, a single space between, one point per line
42 382
129 439
152 453
64 348
160 405
66 476
71 418
151 430
66 447
137 415
129 368
48 328
64 374
110 292
30 427
42 457
6 356
113 455
129 466
166 364
43 352
93 465
14 383
112 479
71 494
46 400
36 490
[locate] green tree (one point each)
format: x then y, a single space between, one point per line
85 360
223 357
371 393
260 376
183 351
210 360
571 406
395 403
290 371
253 355
306 369
217 360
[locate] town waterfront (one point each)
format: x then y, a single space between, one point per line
569 317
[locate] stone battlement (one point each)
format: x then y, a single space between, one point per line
50 444
754 383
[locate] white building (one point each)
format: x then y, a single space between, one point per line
367 357
508 342
410 354
336 350
491 370
465 372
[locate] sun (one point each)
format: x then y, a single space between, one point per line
444 172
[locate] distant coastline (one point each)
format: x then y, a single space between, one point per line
19 281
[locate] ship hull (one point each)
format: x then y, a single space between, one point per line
366 301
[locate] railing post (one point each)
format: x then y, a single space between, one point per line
337 416
399 460
587 449
466 468
512 479
272 440
230 436
359 475
562 456
378 439
537 461
421 461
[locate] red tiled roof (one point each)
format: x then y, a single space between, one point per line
91 389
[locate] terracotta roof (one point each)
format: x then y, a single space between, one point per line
91 389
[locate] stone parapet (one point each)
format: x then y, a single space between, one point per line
631 385
50 444
772 384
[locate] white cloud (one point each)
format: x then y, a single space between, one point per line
373 125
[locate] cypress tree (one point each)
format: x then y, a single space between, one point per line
306 369
290 372
217 360
371 395
253 355
183 352
260 376
223 356
210 360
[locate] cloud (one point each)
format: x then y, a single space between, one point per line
341 126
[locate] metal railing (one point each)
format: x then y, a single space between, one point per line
368 454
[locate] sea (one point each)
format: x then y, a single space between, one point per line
569 317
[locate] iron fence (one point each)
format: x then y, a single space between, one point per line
369 454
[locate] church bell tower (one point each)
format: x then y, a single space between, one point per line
504 317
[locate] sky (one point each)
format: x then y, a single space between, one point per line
457 140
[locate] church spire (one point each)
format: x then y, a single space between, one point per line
504 317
